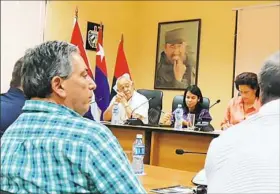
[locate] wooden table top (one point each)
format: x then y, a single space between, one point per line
158 177
163 129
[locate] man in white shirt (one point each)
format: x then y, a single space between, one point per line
131 103
245 158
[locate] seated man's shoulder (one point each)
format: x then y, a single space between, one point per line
225 144
140 96
9 104
91 125
240 132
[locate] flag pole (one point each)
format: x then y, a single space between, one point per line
76 15
76 12
100 27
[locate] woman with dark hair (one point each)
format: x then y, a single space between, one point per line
192 104
246 103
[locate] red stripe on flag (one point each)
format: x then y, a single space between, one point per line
121 62
121 66
77 40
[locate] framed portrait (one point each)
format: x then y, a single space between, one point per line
177 54
92 35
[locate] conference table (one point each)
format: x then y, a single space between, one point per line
158 177
161 143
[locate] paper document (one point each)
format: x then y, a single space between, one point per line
174 189
200 178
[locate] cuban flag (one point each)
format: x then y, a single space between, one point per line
102 92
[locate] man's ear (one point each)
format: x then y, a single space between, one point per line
132 84
58 87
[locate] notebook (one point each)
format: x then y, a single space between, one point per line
200 178
174 189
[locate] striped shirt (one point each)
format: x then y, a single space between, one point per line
245 158
52 149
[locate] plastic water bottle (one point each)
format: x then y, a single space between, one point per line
115 114
138 152
178 118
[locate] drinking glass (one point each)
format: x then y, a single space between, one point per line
191 119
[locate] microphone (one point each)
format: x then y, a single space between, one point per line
136 121
181 152
200 123
217 102
141 105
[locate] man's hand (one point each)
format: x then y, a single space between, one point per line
137 116
120 98
167 119
179 69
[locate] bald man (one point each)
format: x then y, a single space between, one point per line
128 99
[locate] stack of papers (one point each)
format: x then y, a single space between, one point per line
200 178
174 189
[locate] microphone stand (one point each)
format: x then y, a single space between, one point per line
217 102
200 178
200 125
194 153
181 152
137 121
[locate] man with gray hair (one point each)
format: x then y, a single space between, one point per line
245 158
131 103
51 148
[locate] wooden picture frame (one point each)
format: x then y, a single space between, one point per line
177 54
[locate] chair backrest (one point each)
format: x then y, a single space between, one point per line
180 99
155 105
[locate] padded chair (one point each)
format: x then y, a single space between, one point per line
155 105
205 104
180 99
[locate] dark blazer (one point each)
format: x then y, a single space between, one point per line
11 105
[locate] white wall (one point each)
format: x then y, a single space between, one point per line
22 27
258 37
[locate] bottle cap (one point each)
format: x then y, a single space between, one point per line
138 136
